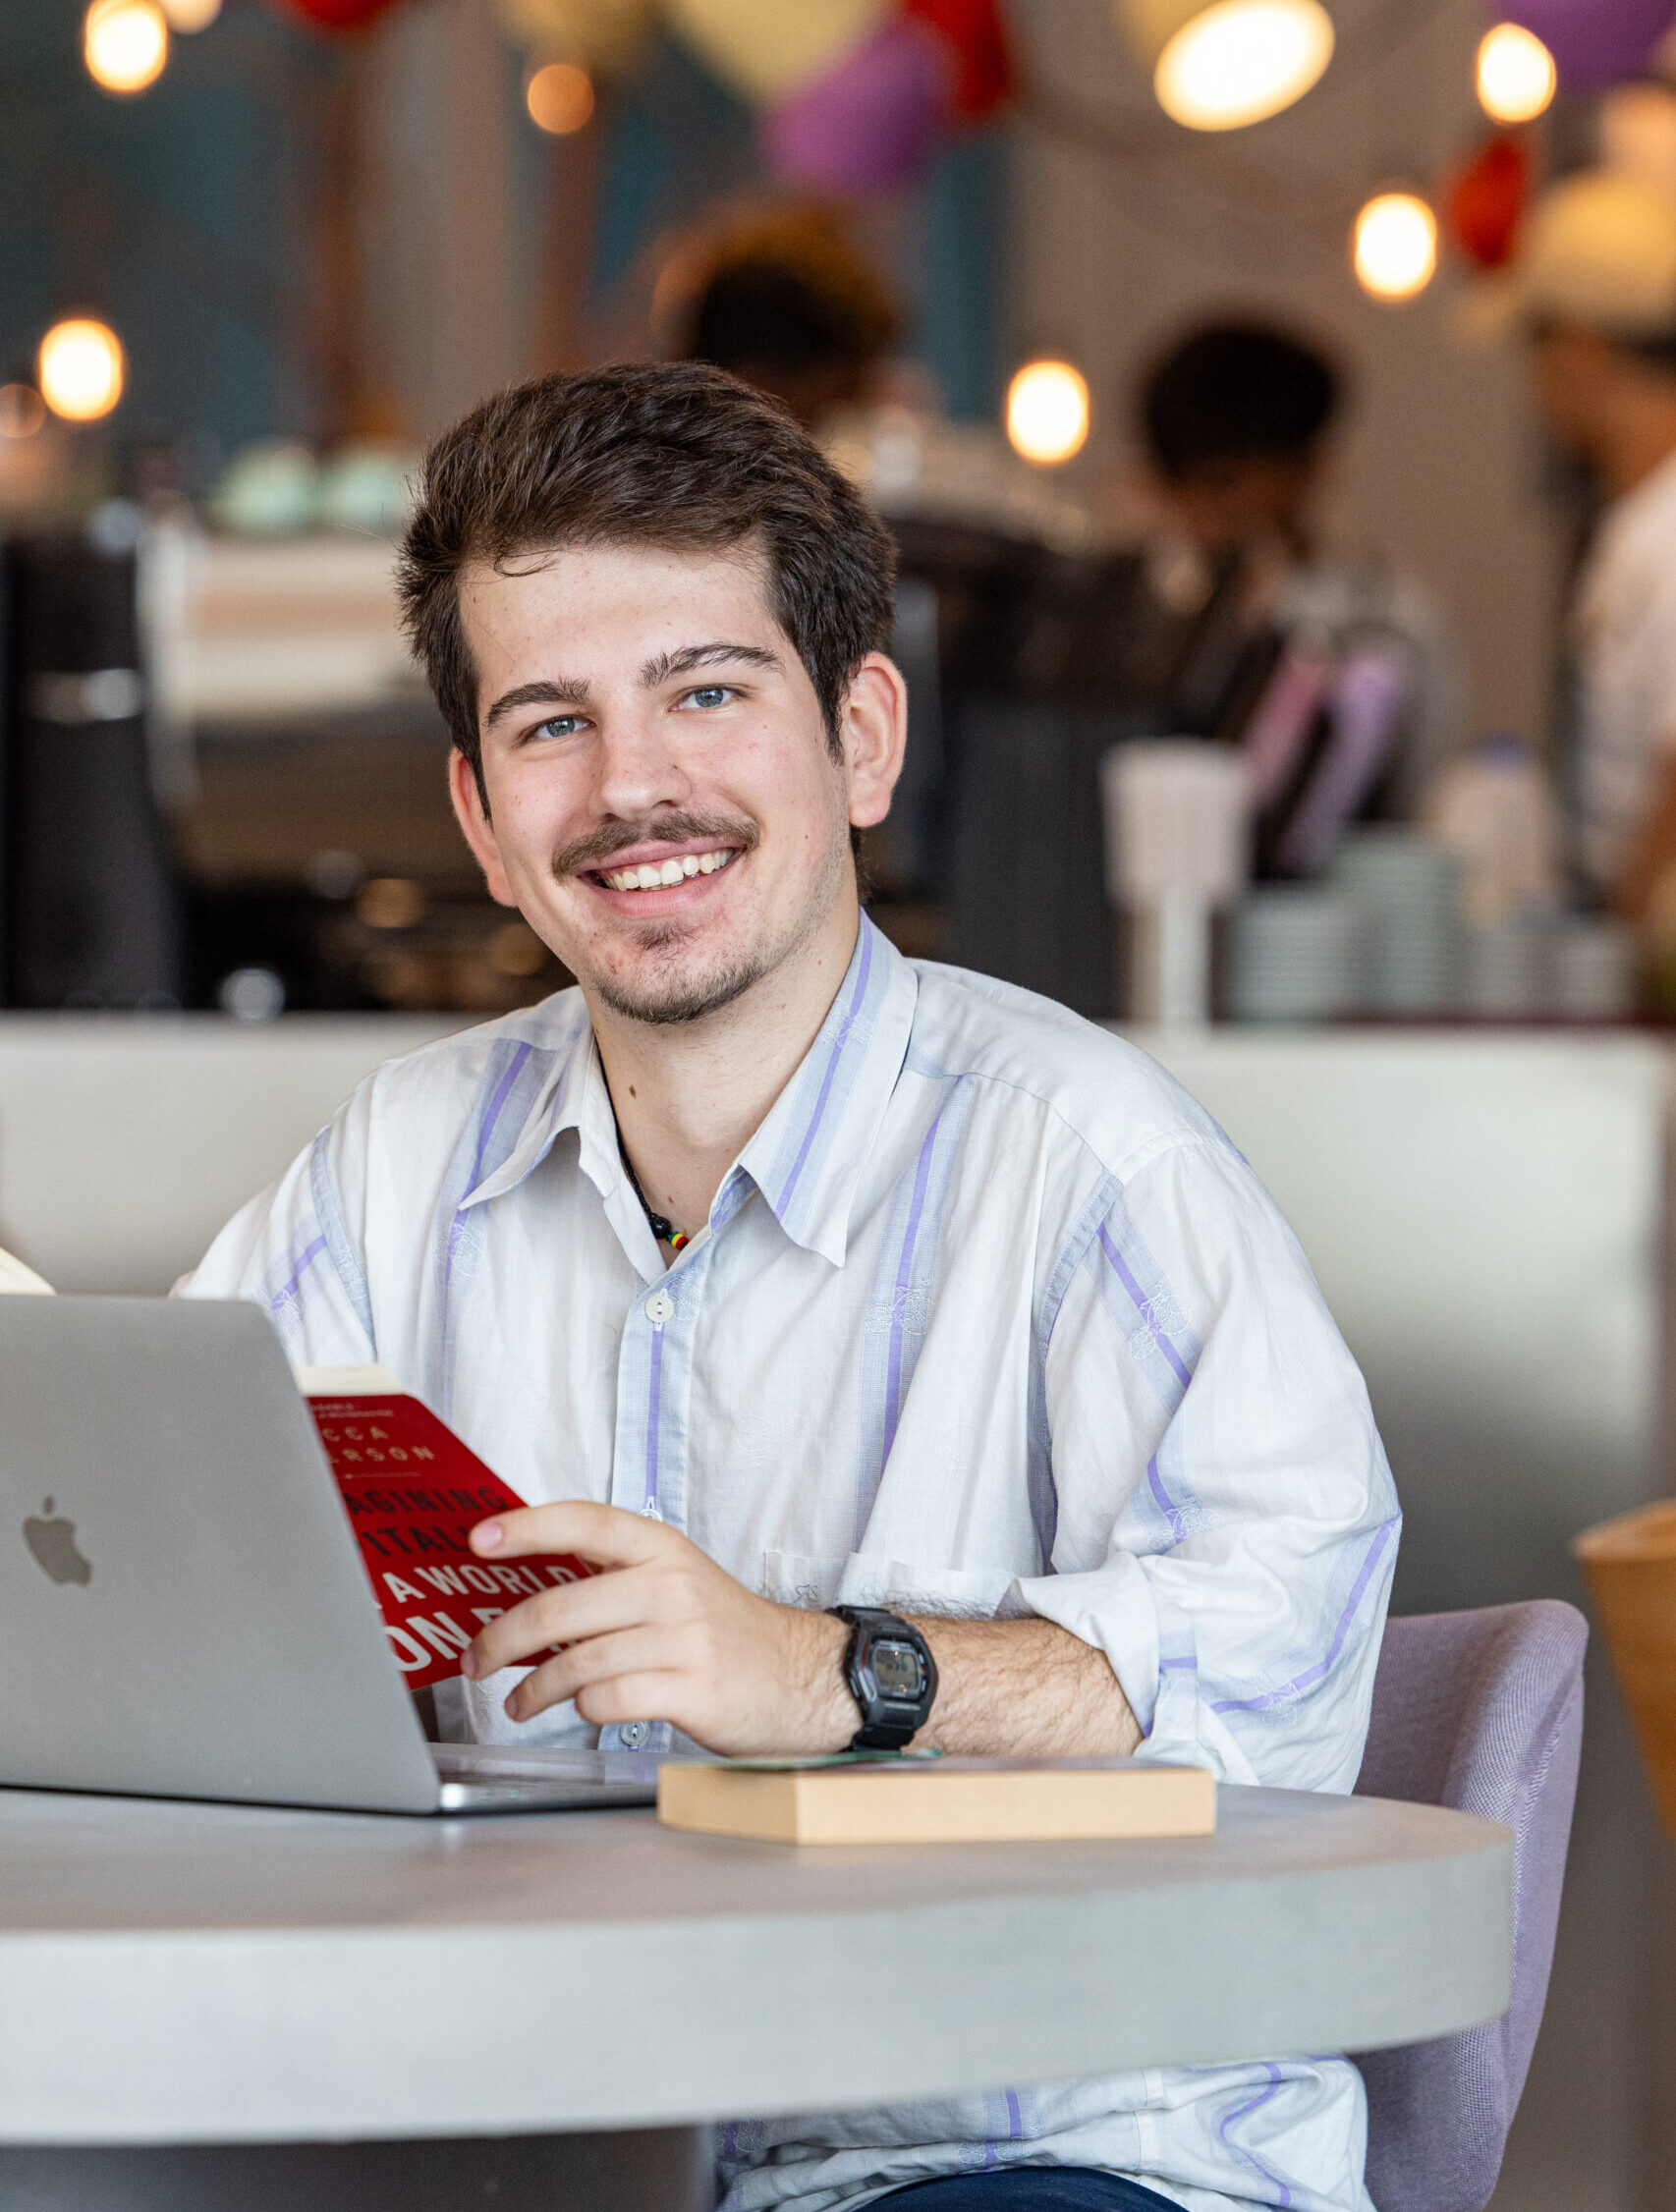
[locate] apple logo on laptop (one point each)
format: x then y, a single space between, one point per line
53 1542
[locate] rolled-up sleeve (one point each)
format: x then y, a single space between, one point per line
1226 1520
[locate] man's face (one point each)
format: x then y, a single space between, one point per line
1243 500
664 808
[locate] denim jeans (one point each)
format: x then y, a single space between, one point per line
1028 2188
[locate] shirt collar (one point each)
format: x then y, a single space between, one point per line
807 1156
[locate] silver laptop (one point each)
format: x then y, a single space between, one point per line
183 1608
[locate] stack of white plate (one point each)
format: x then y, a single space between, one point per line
1407 886
1504 969
1567 966
1296 952
1592 970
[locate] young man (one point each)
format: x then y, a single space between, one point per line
784 1274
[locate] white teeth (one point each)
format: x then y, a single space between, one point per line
657 877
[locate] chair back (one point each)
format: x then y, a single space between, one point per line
1483 1712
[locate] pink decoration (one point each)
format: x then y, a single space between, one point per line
1592 42
871 123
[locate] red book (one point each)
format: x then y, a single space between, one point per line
414 1492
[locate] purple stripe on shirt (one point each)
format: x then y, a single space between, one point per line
514 1069
904 1276
1312 1675
857 996
1283 2195
310 1254
457 1226
1167 1505
653 1413
1144 1306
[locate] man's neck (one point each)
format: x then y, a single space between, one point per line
689 1096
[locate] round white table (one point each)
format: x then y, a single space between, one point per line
193 1975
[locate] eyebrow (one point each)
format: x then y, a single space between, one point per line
557 690
663 666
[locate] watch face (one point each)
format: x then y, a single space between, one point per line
898 1671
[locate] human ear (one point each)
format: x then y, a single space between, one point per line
875 732
475 826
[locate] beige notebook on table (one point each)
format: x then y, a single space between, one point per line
926 1800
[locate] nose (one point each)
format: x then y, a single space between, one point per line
638 769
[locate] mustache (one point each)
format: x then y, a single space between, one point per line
676 827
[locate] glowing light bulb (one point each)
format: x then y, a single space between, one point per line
560 98
190 15
1240 61
125 43
1394 246
80 369
1048 412
1516 74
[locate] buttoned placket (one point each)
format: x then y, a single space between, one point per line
649 1469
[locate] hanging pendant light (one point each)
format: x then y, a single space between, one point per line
1232 63
1393 246
79 370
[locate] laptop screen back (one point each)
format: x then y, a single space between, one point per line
183 1609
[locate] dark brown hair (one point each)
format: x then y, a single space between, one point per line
1235 391
675 456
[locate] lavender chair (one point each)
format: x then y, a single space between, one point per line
1483 1712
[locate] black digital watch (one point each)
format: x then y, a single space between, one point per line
892 1677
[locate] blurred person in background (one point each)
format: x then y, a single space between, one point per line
1237 420
1594 287
1335 675
786 304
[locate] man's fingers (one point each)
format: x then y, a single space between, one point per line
604 1535
557 1616
629 1653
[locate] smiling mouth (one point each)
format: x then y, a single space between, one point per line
662 876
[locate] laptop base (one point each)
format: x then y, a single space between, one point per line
478 1778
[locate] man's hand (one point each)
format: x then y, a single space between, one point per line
664 1635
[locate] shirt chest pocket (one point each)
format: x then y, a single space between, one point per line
809 1580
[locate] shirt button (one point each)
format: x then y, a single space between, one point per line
660 1308
633 1734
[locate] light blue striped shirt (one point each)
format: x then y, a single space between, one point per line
988 1318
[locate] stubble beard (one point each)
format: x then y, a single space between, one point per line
677 992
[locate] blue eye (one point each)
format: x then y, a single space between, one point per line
559 725
711 695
